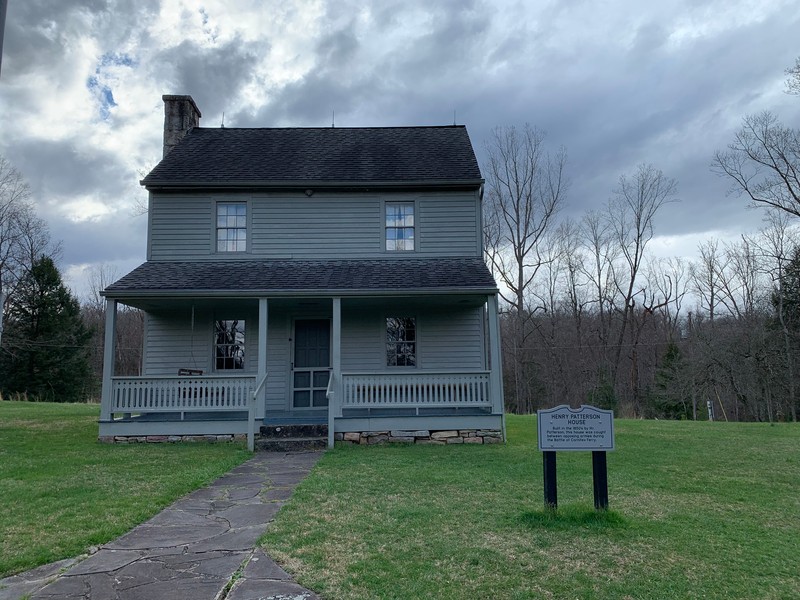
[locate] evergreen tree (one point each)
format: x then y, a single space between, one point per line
45 345
790 286
669 398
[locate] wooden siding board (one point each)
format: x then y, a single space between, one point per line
448 225
175 341
448 338
316 227
362 340
278 345
181 227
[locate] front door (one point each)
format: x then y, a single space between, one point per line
312 362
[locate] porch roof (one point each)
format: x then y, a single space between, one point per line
305 277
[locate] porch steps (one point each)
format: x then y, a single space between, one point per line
291 438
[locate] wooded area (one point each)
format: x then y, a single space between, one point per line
592 317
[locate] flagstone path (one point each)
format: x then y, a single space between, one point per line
201 547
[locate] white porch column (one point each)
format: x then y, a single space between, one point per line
496 374
336 365
263 322
109 355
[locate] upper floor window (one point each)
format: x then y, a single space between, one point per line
231 227
228 345
399 226
401 342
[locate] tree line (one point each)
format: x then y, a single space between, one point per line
590 316
50 345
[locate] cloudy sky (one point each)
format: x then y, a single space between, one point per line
618 83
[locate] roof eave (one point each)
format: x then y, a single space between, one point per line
310 184
191 293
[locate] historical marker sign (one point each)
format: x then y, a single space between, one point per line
585 429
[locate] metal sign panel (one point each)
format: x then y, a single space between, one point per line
585 429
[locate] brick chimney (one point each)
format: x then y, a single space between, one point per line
181 115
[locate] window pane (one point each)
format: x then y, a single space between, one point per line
321 379
229 344
393 215
401 347
320 399
399 226
231 227
302 399
302 379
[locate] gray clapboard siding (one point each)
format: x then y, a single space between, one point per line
448 226
181 227
278 348
447 339
450 339
316 227
325 225
362 340
173 342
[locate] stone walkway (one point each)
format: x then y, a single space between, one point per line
202 547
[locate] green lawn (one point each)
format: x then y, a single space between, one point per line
61 491
698 510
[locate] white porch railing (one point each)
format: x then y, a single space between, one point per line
415 390
180 394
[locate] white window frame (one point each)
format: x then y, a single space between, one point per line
246 228
415 227
387 342
215 345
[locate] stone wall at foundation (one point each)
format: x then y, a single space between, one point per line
161 439
422 436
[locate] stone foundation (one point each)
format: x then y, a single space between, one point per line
161 439
422 436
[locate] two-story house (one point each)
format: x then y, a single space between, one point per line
328 276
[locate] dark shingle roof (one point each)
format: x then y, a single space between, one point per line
229 156
306 276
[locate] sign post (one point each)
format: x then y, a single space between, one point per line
585 429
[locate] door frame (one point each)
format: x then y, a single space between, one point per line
290 396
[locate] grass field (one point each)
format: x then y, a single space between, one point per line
698 510
61 491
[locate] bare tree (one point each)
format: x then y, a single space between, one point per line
602 254
129 328
793 78
670 279
764 163
100 276
631 214
706 275
526 187
24 237
776 244
15 194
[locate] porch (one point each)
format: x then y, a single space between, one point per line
164 405
343 382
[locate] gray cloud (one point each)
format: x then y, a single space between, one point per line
213 76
